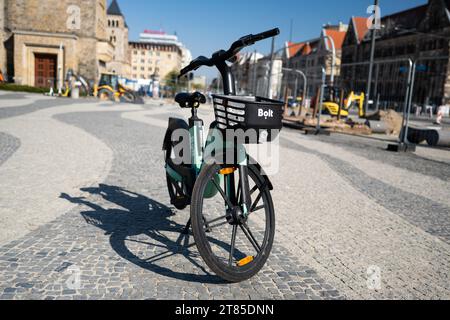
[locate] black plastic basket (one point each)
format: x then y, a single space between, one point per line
248 112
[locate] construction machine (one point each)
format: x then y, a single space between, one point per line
333 103
109 88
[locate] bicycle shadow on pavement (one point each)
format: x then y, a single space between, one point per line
138 217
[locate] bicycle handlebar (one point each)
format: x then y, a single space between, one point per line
222 56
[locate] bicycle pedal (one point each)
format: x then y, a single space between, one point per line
245 261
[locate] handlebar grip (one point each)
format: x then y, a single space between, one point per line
266 34
184 71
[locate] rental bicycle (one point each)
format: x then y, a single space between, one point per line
232 215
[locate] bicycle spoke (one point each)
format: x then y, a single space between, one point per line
253 190
215 220
250 237
256 202
239 193
233 244
222 194
259 208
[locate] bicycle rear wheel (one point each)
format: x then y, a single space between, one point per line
235 246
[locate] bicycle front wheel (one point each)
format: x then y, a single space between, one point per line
235 245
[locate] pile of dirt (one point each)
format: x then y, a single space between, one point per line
392 119
348 126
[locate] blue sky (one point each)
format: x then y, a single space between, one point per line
205 26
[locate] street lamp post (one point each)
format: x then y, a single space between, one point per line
322 89
305 81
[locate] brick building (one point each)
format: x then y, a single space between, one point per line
155 55
418 33
310 56
41 40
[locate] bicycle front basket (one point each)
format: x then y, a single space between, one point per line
248 112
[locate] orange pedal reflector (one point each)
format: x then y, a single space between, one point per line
245 261
227 171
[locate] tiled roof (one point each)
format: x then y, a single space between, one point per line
337 36
307 49
294 48
361 27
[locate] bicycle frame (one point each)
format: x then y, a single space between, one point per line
202 153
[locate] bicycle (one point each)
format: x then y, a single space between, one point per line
196 172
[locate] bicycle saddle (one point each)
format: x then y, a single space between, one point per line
190 100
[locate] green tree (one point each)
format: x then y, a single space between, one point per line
198 87
173 83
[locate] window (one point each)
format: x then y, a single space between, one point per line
135 68
135 52
169 56
143 53
142 69
142 61
150 69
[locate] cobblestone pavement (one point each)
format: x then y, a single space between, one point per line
348 215
115 236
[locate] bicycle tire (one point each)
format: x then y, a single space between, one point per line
231 274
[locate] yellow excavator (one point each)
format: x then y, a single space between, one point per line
333 101
109 88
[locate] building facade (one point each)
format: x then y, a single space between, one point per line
314 55
117 30
252 75
245 72
421 34
42 40
155 55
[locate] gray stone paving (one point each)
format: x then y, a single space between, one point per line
370 149
8 145
124 243
33 107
